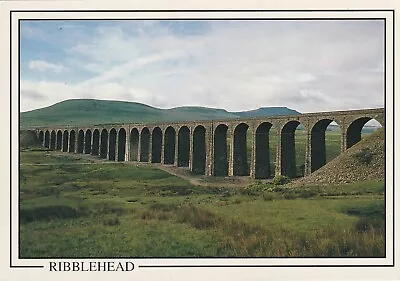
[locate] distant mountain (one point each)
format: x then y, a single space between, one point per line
267 111
91 112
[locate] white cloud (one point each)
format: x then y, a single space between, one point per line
309 66
43 66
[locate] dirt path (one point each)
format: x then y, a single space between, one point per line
184 173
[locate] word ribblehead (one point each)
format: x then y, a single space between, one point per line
91 266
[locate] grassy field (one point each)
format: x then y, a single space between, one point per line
73 206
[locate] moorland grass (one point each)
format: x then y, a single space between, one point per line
124 210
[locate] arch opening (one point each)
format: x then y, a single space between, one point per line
112 144
96 142
262 151
134 145
121 144
88 141
47 139
41 137
220 151
144 145
288 150
240 153
199 150
104 144
72 141
53 140
81 137
183 146
325 143
59 140
169 145
156 143
360 127
65 141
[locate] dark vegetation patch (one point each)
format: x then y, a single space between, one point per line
50 212
364 156
372 216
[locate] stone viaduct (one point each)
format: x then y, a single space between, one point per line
215 147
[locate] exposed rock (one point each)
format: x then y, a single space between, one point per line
363 161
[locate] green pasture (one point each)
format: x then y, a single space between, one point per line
104 209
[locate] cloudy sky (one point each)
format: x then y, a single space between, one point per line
236 65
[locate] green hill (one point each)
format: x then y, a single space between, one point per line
267 111
91 111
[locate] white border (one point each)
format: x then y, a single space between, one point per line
374 273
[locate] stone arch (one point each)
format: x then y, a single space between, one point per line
353 132
81 139
71 141
288 149
88 141
240 160
121 144
65 141
199 150
96 142
103 144
144 144
220 151
112 143
53 140
183 146
41 137
169 145
47 139
262 151
59 140
156 142
134 145
318 144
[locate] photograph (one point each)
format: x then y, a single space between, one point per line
202 138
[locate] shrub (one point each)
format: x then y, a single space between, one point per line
280 179
364 156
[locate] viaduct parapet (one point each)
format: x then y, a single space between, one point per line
215 147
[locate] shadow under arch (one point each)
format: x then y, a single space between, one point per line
288 149
220 151
319 152
65 141
96 142
353 132
262 151
103 144
199 150
156 145
112 143
72 141
169 145
183 146
121 144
